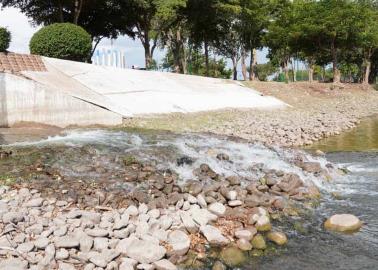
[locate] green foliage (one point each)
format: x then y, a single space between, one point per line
62 40
196 65
5 39
265 70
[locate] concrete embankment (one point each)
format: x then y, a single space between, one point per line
62 93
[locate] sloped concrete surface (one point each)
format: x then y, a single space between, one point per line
135 92
23 100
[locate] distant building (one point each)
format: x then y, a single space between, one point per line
109 58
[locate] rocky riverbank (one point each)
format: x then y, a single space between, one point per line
317 111
52 219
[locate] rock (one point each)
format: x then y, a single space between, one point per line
202 216
343 223
66 266
62 254
25 247
258 242
89 266
13 264
85 243
179 242
219 266
213 235
61 231
263 224
223 157
35 229
244 234
127 264
34 203
132 210
145 266
66 242
201 201
13 217
232 256
97 233
100 243
164 265
311 167
124 244
145 251
143 208
188 222
185 160
41 242
217 209
244 244
277 237
235 203
98 260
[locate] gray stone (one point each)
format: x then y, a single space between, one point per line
41 242
66 266
164 265
61 231
35 229
213 235
188 222
201 201
25 247
100 243
145 266
34 202
62 254
66 242
202 216
13 264
144 251
179 242
217 209
97 232
124 244
13 217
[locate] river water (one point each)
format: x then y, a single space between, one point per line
310 246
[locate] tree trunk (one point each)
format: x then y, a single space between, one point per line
253 65
243 65
207 58
147 55
286 70
293 68
336 71
234 68
367 70
310 70
78 7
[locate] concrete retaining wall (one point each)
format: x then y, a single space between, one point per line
25 100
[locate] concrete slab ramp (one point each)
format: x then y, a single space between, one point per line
134 92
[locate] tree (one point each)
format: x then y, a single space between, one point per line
254 19
368 34
202 22
279 36
101 19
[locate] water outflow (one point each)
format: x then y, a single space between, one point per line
164 149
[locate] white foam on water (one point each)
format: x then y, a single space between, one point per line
165 149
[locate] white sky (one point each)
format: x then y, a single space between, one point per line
22 31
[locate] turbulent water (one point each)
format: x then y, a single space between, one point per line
310 246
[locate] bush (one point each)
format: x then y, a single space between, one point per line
5 39
62 40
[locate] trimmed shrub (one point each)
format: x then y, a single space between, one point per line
62 40
5 39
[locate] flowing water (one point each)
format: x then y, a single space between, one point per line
310 246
